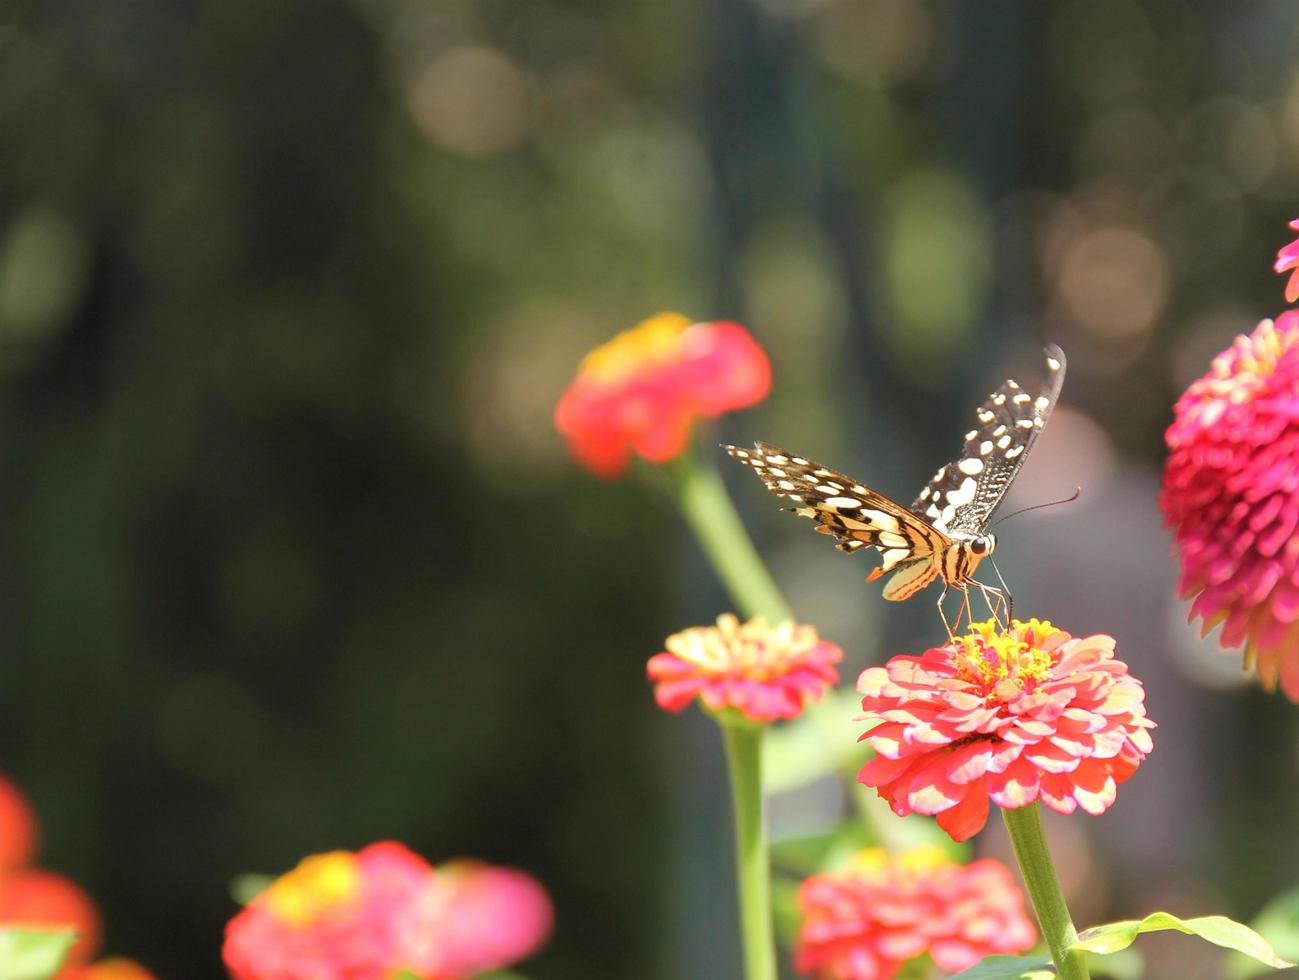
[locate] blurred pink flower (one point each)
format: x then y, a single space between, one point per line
382 910
489 917
763 671
644 390
1231 494
865 922
1288 259
1012 717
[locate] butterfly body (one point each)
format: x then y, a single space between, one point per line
944 534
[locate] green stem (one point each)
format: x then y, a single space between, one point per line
744 759
1025 827
711 515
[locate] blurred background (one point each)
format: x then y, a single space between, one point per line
291 558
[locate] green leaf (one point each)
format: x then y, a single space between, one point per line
1126 964
1217 929
1279 921
244 888
26 954
1009 968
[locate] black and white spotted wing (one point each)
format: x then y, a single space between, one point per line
962 495
857 516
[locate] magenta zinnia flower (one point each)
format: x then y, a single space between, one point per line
1016 716
866 921
1288 260
763 671
1231 494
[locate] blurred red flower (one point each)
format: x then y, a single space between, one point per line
763 671
1231 494
644 390
371 914
111 969
865 922
1288 260
1016 716
45 900
18 828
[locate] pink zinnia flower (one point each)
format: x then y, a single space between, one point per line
763 671
1231 494
865 922
490 917
644 390
1016 716
372 914
1288 259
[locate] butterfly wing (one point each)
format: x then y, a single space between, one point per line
857 516
963 494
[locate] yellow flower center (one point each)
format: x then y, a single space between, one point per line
753 649
876 864
1005 663
1263 352
649 343
318 883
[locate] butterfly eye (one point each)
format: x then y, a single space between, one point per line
980 546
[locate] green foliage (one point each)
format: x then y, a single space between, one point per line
1279 921
1217 929
244 888
1009 968
28 954
823 741
1126 964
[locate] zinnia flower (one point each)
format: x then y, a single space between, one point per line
18 828
44 900
1016 716
1288 259
644 390
1231 494
865 922
489 917
765 672
372 914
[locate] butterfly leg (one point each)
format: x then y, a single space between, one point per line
999 605
942 614
965 606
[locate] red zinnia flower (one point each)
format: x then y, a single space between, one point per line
1288 259
1231 492
1029 713
372 914
644 389
45 900
18 830
765 672
864 922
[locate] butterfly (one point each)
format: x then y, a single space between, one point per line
944 533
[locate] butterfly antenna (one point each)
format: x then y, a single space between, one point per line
1050 503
